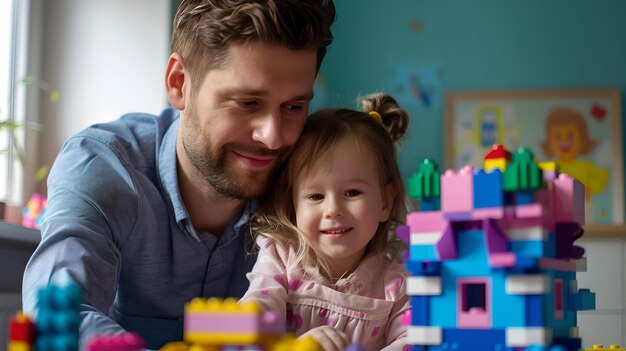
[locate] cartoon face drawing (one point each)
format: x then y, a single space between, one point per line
565 141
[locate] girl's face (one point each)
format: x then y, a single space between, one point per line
339 204
565 141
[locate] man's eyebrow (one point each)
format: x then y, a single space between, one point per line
260 92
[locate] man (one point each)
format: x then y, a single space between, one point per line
145 213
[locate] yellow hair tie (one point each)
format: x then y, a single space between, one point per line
376 116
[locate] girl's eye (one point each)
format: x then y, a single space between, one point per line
352 193
316 197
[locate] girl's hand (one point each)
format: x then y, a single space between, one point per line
329 338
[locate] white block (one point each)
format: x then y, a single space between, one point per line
527 336
526 284
423 286
425 238
424 335
581 264
532 233
573 286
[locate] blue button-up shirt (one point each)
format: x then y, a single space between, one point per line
116 225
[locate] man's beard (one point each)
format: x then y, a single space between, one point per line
213 167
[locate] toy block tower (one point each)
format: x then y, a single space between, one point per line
495 267
21 333
58 318
216 322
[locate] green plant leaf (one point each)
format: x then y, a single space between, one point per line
54 96
42 172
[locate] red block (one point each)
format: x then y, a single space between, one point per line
21 328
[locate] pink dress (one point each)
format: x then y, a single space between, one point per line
368 305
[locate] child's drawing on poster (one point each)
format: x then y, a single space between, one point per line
580 131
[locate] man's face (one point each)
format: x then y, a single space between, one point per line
246 115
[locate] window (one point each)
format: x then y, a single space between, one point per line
7 25
20 32
474 303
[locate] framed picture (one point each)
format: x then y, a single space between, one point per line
581 130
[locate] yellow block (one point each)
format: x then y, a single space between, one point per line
491 164
19 346
548 166
214 304
600 347
175 346
290 343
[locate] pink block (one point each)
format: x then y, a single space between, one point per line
488 212
516 223
549 176
529 211
117 342
213 322
503 259
557 265
425 222
457 190
568 200
545 197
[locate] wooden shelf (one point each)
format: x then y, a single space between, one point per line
16 234
605 230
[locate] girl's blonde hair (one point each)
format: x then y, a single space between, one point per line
324 129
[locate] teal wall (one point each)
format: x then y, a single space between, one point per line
476 45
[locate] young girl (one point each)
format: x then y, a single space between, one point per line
326 262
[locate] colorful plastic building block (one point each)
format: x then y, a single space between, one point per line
425 186
21 333
34 211
523 173
600 347
496 158
216 324
290 343
58 318
216 321
116 342
495 268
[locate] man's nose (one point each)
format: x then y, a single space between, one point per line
269 130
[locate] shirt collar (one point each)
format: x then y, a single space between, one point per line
167 171
169 179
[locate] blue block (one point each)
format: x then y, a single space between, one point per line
419 268
488 190
58 318
429 204
585 300
472 340
534 310
536 248
524 197
568 343
420 310
423 253
525 264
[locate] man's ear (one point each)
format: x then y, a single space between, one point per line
175 81
389 195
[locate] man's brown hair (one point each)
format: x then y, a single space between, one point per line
204 29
